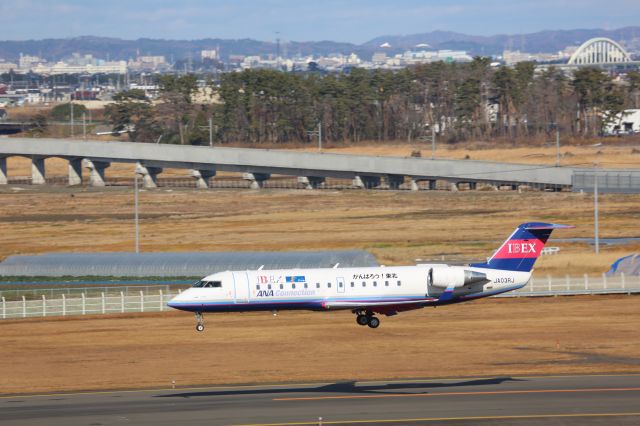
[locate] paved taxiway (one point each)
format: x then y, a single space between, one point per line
565 400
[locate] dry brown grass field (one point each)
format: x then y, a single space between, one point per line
397 226
489 338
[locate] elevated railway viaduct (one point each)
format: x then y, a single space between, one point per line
258 165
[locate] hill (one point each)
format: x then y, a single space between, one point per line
120 49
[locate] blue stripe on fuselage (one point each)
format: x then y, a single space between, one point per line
318 304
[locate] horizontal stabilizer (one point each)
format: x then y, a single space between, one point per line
548 226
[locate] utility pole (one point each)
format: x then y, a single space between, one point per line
210 131
596 213
433 142
135 203
84 126
317 132
557 147
71 117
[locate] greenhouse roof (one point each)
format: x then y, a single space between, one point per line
174 264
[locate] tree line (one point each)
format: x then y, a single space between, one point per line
458 101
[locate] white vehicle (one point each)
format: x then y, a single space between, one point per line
368 291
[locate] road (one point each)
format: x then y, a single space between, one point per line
557 400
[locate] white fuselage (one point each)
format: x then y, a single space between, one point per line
337 288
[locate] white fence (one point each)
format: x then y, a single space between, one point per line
156 300
554 286
106 303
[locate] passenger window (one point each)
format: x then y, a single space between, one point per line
352 283
293 286
269 287
281 286
305 285
328 285
398 283
375 284
386 283
364 284
258 287
317 285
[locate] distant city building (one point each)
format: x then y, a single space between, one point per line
624 123
6 67
379 58
103 67
236 59
26 62
209 54
148 63
513 57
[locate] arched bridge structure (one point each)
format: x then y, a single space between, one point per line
599 51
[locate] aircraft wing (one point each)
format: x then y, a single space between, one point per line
383 307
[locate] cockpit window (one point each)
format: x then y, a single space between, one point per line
208 284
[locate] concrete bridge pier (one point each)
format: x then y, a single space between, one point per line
257 179
149 175
202 177
96 171
75 171
415 185
394 181
365 182
38 175
311 182
3 171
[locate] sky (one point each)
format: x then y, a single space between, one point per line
354 21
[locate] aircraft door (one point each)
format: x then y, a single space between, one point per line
340 284
241 287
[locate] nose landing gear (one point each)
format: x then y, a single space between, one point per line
367 318
200 320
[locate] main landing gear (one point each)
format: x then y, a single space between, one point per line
367 318
200 319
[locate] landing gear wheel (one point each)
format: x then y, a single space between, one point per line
200 319
373 322
362 319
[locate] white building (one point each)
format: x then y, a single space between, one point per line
26 62
626 123
209 54
102 67
7 67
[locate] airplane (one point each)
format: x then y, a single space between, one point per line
367 291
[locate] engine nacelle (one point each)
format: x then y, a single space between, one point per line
454 276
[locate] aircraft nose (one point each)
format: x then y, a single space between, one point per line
176 300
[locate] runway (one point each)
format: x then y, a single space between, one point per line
556 400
